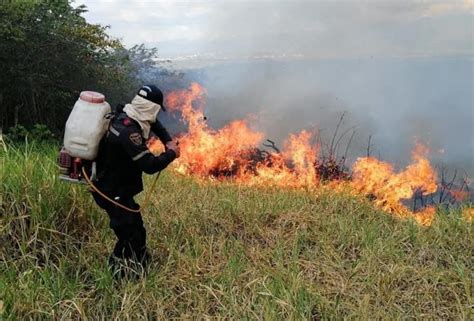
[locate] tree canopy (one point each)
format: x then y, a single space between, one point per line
49 53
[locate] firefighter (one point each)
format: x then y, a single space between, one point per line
123 157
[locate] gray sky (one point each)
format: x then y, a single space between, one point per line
294 28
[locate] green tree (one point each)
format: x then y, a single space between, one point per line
48 54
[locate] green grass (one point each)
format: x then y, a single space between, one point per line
221 250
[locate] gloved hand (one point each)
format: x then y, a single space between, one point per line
174 145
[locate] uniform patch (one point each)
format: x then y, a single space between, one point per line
127 122
135 138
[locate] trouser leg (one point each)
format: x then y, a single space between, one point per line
128 227
118 248
131 236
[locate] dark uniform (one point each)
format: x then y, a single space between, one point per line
123 156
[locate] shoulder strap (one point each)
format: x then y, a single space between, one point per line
119 108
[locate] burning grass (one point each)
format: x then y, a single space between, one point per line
225 250
233 151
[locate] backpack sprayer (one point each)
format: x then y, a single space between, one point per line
85 127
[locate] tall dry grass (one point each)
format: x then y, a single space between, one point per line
221 250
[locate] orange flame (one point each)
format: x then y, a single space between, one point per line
378 179
231 151
294 167
204 150
468 214
459 195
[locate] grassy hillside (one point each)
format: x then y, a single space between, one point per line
224 250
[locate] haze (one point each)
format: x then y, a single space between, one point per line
403 70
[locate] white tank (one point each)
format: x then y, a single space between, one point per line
86 125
